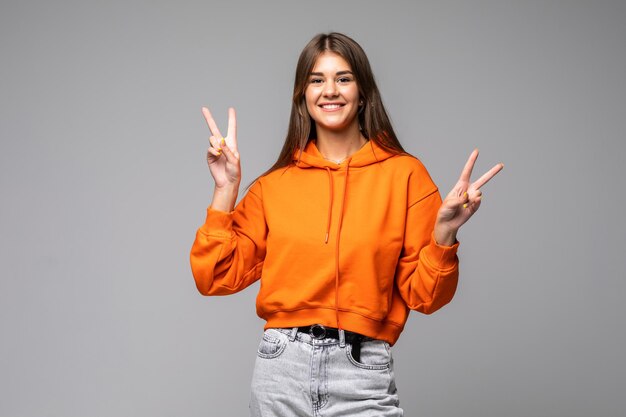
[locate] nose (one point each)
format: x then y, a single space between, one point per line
330 89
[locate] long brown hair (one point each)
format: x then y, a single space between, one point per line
373 120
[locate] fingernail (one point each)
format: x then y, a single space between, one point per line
465 194
222 142
465 205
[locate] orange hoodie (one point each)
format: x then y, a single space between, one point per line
345 245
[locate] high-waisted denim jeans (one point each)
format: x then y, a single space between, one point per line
296 375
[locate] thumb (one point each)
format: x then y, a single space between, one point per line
231 157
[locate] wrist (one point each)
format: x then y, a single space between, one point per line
444 236
224 197
227 188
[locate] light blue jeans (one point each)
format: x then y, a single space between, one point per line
296 375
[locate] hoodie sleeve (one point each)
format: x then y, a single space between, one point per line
227 255
427 273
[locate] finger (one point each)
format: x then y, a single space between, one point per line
459 188
474 193
487 176
469 166
473 202
231 156
474 205
216 143
213 152
464 199
209 121
232 129
212 156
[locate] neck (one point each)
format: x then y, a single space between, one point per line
337 146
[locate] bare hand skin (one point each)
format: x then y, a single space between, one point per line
223 160
462 202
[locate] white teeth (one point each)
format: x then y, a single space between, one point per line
331 106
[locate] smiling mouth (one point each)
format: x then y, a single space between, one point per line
332 106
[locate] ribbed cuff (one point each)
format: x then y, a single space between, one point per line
443 257
217 223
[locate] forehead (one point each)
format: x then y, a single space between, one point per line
330 62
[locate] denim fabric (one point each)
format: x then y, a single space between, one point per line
296 375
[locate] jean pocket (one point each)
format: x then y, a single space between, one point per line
375 354
272 344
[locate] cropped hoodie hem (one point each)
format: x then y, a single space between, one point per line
346 245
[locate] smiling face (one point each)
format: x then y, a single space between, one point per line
332 95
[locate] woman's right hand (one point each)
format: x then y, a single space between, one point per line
222 155
223 159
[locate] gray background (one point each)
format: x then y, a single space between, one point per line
104 183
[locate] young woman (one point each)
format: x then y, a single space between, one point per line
347 233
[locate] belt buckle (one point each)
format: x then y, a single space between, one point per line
317 331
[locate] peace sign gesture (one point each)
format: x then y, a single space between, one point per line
222 156
462 202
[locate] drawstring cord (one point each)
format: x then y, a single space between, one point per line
328 222
343 201
330 203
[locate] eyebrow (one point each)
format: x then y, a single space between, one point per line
338 73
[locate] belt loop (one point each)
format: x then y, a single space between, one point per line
292 336
342 338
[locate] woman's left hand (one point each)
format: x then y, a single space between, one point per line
462 202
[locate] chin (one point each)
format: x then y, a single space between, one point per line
335 126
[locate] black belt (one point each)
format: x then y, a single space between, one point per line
317 331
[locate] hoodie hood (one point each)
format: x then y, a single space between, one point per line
370 153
